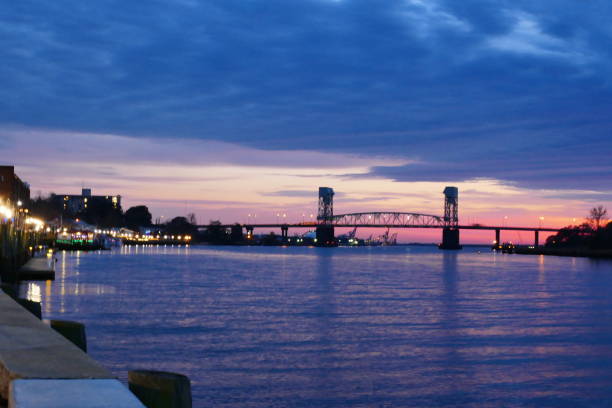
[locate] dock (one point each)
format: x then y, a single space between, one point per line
38 268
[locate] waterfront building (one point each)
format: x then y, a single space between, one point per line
12 188
74 204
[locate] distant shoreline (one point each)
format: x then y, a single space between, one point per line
574 252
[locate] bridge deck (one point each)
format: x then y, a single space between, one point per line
462 227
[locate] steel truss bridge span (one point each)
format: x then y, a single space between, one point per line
372 225
386 219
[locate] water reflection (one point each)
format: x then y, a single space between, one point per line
324 313
300 327
33 292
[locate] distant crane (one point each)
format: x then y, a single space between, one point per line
352 234
387 239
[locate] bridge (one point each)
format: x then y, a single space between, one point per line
327 221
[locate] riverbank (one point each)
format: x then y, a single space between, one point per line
40 367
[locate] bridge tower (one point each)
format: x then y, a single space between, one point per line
450 233
325 228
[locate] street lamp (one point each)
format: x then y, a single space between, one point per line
541 219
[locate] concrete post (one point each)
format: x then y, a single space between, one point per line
537 239
73 331
497 238
159 389
31 306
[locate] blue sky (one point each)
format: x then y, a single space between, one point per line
517 92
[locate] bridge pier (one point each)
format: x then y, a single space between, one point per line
284 232
249 232
497 238
536 239
450 239
325 236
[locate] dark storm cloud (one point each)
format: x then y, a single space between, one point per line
513 90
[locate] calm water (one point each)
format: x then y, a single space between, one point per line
361 327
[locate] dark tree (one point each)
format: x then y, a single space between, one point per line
215 234
138 216
597 216
582 237
45 208
571 237
236 234
180 226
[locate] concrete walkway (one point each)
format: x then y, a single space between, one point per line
31 350
71 394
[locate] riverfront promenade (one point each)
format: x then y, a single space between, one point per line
41 368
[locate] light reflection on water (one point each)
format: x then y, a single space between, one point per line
304 327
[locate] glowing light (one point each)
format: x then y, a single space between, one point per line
38 224
6 212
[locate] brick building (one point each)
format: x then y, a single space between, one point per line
12 188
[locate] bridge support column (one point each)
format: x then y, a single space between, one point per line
284 232
249 232
536 239
450 239
325 236
497 239
450 233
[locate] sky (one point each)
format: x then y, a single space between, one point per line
226 108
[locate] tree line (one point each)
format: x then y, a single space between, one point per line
594 233
103 214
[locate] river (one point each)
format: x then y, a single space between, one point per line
337 327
